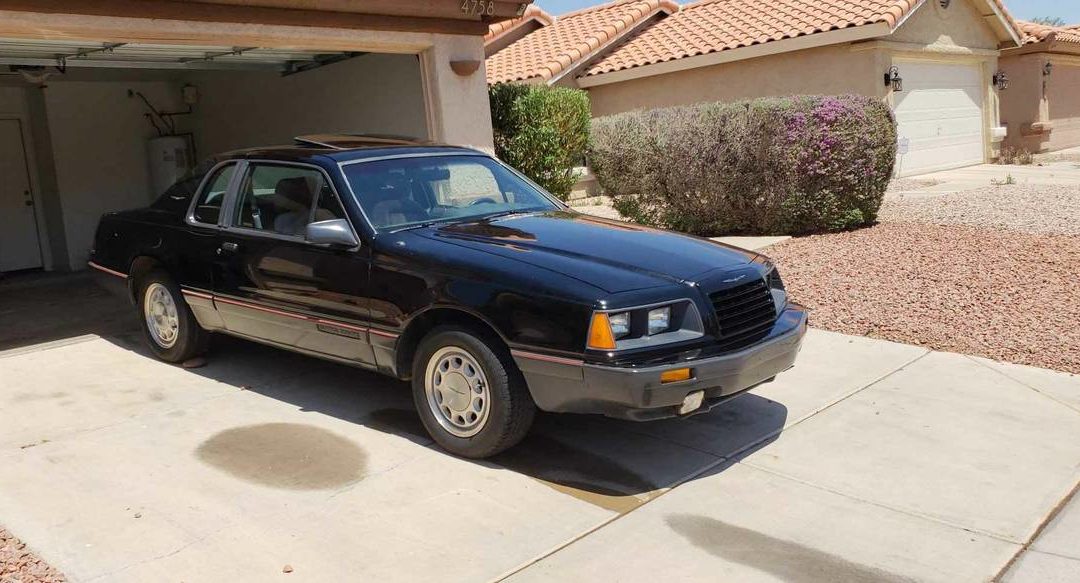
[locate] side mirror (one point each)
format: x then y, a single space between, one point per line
335 232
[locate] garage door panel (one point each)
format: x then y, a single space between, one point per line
937 126
915 100
939 117
937 75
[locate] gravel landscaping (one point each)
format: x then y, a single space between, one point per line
1000 294
1049 209
19 565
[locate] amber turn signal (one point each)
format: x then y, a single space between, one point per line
600 337
674 376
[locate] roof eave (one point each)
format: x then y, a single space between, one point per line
1006 23
570 73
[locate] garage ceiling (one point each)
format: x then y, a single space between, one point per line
62 54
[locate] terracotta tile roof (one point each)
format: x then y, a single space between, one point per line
533 12
710 26
552 49
1037 33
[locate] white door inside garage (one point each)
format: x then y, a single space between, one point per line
19 247
940 117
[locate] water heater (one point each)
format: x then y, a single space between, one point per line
170 159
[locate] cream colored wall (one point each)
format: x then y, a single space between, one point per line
99 137
958 26
458 110
828 70
12 100
373 93
1063 103
1022 103
1034 98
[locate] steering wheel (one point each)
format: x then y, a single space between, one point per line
487 200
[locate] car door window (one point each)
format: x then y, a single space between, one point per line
208 208
282 199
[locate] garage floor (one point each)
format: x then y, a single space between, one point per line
40 307
871 461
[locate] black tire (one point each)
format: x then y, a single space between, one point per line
510 406
191 339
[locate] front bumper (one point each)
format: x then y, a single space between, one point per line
636 393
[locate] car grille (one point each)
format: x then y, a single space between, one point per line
746 314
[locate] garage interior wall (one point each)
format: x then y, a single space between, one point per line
372 93
99 140
99 133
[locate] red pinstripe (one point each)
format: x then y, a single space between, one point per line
545 358
106 270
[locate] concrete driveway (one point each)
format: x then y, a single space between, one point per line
870 461
1052 172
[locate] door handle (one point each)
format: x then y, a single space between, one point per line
228 247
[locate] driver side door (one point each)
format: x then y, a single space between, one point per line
278 287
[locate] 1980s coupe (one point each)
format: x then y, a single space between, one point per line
442 266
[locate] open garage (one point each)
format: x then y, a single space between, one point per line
101 111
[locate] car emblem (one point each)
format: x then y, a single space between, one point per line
734 279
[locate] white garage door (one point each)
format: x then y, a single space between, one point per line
940 117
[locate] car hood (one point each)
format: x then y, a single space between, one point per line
611 255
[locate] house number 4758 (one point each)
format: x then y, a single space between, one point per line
478 7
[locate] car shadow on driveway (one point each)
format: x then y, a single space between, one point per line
613 464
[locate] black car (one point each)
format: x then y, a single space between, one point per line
443 266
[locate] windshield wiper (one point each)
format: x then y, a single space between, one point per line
419 225
506 214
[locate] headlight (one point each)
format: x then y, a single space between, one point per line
645 326
659 320
620 324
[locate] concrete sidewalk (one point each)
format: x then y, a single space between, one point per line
870 461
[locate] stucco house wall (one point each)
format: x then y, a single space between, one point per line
958 26
1063 103
1022 104
1042 111
825 70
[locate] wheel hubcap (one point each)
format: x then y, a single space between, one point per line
162 321
457 391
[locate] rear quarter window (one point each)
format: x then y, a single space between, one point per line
212 198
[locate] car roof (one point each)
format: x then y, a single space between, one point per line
343 148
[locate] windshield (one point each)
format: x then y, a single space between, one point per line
403 192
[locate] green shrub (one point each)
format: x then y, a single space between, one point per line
780 165
542 131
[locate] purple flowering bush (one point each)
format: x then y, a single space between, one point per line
787 165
